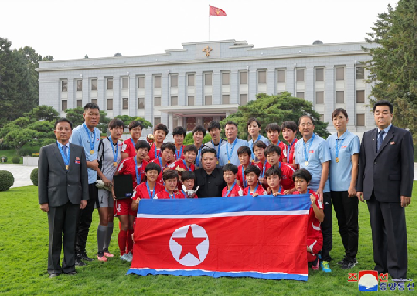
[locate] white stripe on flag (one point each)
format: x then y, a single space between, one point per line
228 214
187 269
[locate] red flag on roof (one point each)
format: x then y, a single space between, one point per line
214 11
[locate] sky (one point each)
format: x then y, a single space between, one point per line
73 29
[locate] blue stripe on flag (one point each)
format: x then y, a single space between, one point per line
214 205
199 272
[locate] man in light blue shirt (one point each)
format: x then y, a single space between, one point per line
312 154
228 152
87 136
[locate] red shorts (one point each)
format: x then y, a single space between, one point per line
123 207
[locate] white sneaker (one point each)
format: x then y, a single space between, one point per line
129 257
125 257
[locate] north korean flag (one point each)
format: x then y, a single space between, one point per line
260 237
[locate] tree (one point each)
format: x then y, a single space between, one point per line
128 119
269 109
393 67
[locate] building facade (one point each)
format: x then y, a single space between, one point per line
207 81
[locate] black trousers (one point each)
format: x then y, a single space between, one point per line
85 218
346 209
326 227
62 223
389 237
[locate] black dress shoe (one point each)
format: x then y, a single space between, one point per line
78 262
72 272
52 275
84 257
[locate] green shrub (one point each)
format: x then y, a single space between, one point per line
24 152
6 180
15 159
34 176
5 158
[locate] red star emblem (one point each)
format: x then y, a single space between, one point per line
189 244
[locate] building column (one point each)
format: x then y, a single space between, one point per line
101 88
329 93
133 98
182 93
86 91
149 99
234 87
252 91
165 100
290 81
199 91
350 94
116 96
309 85
271 85
216 87
70 95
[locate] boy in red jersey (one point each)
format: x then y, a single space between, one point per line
148 189
160 132
128 148
188 181
166 160
272 132
259 152
272 154
229 174
289 130
273 178
170 179
302 178
179 134
244 154
254 188
187 164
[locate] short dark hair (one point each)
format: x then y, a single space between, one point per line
199 128
207 149
302 174
170 174
134 124
274 170
308 116
169 146
190 148
290 125
91 106
259 144
243 150
152 167
252 119
230 123
62 119
115 122
142 144
339 110
212 125
179 130
272 149
187 175
230 167
273 127
253 168
161 127
384 103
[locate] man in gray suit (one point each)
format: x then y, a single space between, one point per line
63 191
385 181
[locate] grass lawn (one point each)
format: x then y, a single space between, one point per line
9 154
24 247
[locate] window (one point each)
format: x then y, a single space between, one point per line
190 100
125 103
109 104
141 82
340 97
157 81
157 101
319 74
125 83
300 75
79 103
208 100
360 73
93 84
243 99
190 79
174 80
360 96
281 76
208 79
360 119
141 103
243 77
300 94
64 105
340 73
79 85
226 78
321 117
262 76
226 99
174 100
319 97
109 83
157 120
94 101
64 85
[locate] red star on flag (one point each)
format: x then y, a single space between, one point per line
189 244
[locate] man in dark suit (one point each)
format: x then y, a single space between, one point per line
63 191
209 179
385 181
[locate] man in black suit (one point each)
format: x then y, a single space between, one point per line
385 181
63 191
209 179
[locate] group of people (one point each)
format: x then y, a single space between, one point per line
338 170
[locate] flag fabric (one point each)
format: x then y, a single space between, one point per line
261 237
214 11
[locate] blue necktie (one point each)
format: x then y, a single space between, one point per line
380 139
64 148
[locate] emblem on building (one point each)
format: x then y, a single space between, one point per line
207 50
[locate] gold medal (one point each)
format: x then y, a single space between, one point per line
66 167
306 163
217 162
228 161
115 163
337 159
91 152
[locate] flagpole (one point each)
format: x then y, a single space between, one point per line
209 22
